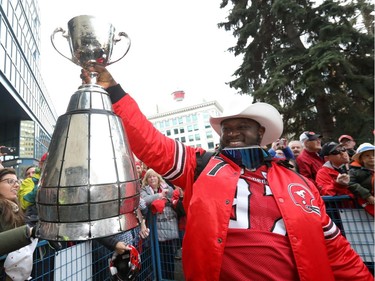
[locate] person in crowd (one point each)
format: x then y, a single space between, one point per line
140 171
27 193
245 212
157 195
27 186
361 174
281 144
349 143
296 147
279 154
309 161
332 178
178 206
11 214
281 151
30 171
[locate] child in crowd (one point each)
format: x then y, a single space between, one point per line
362 176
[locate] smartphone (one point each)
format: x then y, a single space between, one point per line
283 142
8 150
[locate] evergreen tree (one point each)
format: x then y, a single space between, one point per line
311 61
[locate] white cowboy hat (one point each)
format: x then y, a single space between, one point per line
362 148
263 113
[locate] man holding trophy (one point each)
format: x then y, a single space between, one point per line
284 234
248 218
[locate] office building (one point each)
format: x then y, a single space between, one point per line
27 115
190 125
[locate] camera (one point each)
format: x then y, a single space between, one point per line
7 150
342 169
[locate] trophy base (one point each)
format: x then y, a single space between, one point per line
82 231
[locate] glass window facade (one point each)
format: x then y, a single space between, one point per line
22 89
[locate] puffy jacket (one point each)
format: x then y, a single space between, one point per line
361 180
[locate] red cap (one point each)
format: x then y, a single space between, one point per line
44 157
158 205
345 137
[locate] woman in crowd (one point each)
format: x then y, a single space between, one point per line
157 195
11 215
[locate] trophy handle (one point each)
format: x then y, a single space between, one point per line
59 29
128 47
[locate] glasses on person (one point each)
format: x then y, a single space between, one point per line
337 151
12 181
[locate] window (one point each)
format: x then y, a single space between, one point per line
175 131
191 138
210 145
182 130
168 132
190 128
209 134
197 137
183 139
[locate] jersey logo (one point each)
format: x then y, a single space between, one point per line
303 197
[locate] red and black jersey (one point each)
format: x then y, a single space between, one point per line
257 227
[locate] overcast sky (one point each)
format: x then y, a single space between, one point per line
175 45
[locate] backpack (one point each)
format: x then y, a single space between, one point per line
202 161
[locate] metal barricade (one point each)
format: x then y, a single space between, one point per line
89 260
355 224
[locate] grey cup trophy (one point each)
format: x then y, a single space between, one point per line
89 187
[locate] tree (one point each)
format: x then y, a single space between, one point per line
311 61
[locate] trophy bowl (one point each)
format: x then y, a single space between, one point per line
91 40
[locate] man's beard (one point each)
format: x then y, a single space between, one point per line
253 143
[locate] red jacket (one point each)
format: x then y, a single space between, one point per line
320 252
326 182
309 163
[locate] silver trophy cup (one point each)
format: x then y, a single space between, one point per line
91 40
89 186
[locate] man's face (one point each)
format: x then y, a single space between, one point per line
296 147
313 145
347 143
240 132
339 156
